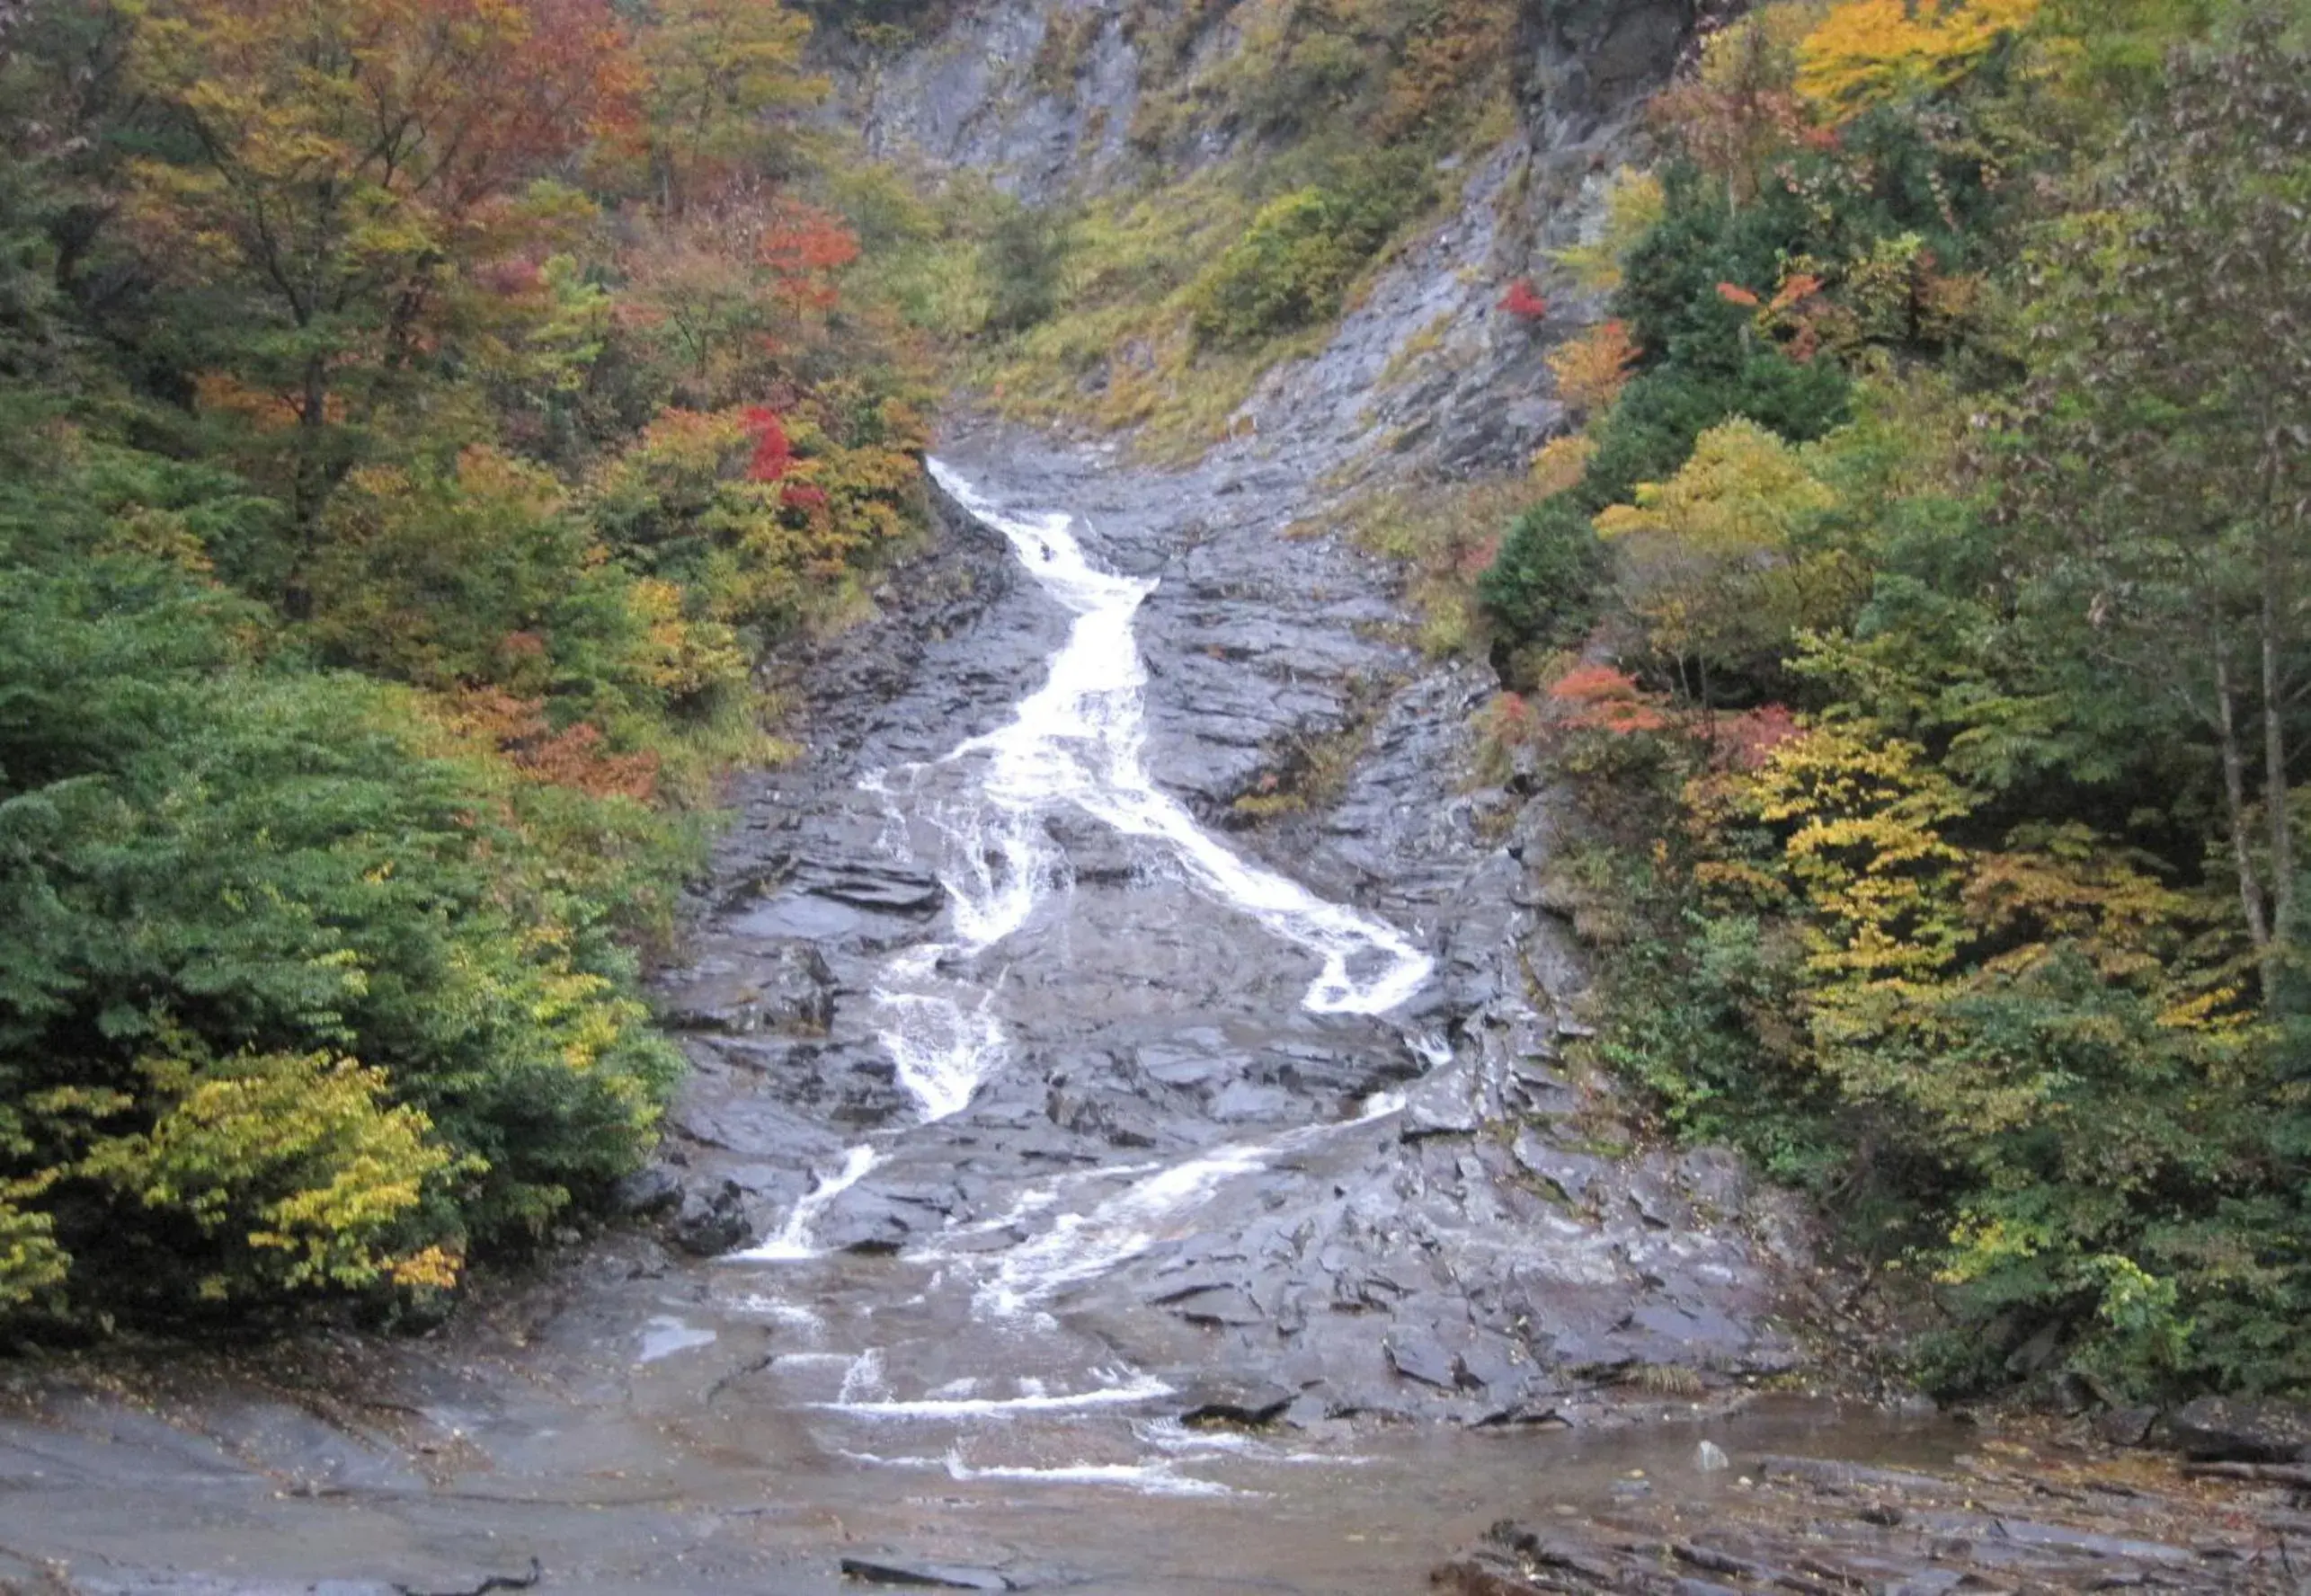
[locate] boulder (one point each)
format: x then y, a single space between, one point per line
709 1225
648 1192
2224 1429
2126 1426
1222 1402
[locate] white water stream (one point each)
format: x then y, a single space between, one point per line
1084 1246
792 1244
1077 742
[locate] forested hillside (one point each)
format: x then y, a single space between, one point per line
417 417
1918 616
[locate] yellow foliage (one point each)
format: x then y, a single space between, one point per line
1880 884
296 1164
1865 52
1591 370
1634 202
1561 462
1707 557
32 1264
1920 954
1741 493
2063 885
684 658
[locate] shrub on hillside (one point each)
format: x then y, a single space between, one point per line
1545 585
1293 266
298 994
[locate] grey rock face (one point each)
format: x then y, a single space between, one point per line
1822 1524
710 1224
786 987
999 93
1468 1257
2232 1430
1586 63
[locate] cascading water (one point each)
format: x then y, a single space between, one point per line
1077 742
1083 1247
793 1242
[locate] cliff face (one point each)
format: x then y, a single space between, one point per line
1041 95
1038 95
1584 65
1426 373
1047 99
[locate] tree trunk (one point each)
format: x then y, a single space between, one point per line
309 488
2274 759
2235 803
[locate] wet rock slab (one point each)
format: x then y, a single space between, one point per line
917 1575
2008 1522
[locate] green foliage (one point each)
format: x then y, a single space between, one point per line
227 878
2190 540
1025 259
419 422
1544 586
1295 261
1543 589
1993 939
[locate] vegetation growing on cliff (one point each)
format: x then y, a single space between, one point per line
419 416
1922 625
1276 150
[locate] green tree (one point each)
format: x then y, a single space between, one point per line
2163 446
336 175
715 74
1710 559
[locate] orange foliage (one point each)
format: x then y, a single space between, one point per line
447 104
802 247
772 453
219 392
1478 557
1592 369
1744 741
724 293
573 758
1598 698
1796 285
